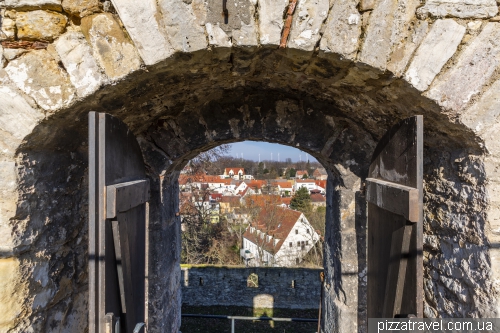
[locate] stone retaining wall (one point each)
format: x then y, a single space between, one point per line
285 288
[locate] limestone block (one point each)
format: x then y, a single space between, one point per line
81 8
387 27
39 24
403 52
142 21
8 205
10 302
114 52
307 21
459 8
185 31
240 25
436 49
217 36
76 55
38 75
343 28
7 29
472 70
271 20
17 119
11 54
33 4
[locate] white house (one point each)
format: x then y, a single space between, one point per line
279 237
235 173
310 184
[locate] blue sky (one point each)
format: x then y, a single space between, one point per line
252 149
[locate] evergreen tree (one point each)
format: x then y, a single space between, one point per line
301 201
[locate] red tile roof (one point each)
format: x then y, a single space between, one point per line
275 221
235 170
321 183
304 180
282 184
317 198
256 184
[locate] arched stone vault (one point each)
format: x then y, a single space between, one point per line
184 82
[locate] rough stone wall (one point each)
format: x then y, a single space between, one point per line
183 81
227 286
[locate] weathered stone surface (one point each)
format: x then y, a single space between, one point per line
142 21
240 25
76 55
8 202
474 67
273 281
17 119
436 49
217 36
33 4
307 21
271 21
2 58
387 27
39 24
114 52
343 28
483 118
11 54
8 27
182 24
459 8
38 75
403 52
81 8
10 303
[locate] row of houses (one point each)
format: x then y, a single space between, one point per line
276 235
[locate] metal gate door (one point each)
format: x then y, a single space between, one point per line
118 192
395 214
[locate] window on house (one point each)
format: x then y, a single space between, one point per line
308 231
307 242
298 244
293 284
253 281
291 244
296 231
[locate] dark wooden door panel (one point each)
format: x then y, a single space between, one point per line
118 192
395 216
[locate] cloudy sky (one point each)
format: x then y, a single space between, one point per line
252 149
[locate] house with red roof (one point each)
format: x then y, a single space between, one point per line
279 237
234 173
318 200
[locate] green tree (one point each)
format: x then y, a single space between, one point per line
301 201
292 172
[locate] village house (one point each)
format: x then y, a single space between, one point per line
299 174
235 173
310 184
284 188
320 174
317 199
278 237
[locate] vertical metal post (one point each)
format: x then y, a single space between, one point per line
232 325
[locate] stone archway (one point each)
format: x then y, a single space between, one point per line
184 82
